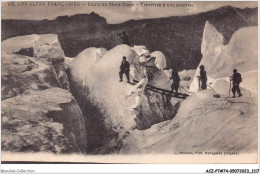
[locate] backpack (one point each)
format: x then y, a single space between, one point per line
239 78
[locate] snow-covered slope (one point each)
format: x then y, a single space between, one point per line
203 124
220 60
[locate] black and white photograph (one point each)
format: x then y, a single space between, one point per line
146 82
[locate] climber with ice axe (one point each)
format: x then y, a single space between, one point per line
236 79
176 80
202 78
124 69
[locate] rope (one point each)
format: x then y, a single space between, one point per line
131 77
185 89
212 88
223 94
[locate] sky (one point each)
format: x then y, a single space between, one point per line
114 14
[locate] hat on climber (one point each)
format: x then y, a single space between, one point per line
202 67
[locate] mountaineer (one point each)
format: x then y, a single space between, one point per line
237 79
176 80
203 77
124 69
124 38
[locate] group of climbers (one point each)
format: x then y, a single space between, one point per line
236 79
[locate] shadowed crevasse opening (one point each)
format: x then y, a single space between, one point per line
98 134
25 52
167 110
101 133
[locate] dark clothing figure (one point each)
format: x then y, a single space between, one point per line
176 81
203 78
237 79
124 69
124 38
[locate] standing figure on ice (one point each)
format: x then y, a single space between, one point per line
203 77
124 38
237 79
124 69
176 80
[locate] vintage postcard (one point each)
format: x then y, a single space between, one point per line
129 82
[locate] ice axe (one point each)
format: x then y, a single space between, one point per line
230 79
199 82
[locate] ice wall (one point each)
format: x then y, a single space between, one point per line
101 81
40 46
39 114
220 60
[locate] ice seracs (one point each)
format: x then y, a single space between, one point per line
98 81
220 60
40 46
